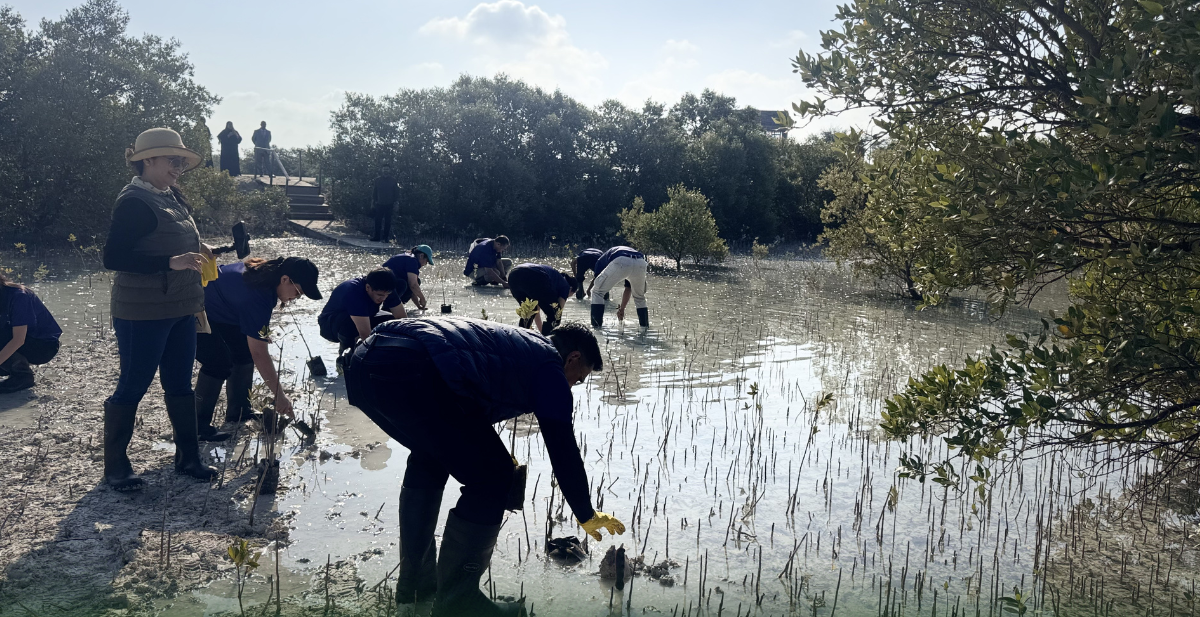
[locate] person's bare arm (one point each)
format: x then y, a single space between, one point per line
398 311
624 301
18 339
261 354
418 296
363 325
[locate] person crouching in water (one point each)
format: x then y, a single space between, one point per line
407 267
356 306
239 304
549 287
620 263
486 263
459 377
28 335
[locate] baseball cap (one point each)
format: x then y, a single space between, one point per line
304 273
424 248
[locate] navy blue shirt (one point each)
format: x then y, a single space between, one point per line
613 253
483 255
351 298
28 311
229 300
402 265
586 260
558 282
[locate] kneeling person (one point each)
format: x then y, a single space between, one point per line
356 306
486 262
239 304
457 377
28 335
617 264
549 287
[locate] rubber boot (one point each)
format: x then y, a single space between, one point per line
417 577
181 410
466 552
20 375
597 315
208 390
237 393
644 317
118 432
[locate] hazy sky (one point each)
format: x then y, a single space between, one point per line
291 63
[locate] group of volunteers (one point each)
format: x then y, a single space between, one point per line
436 385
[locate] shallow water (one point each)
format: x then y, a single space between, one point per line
770 503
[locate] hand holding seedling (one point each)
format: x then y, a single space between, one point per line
600 521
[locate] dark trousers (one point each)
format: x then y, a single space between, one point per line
339 327
446 434
383 222
165 346
34 350
218 352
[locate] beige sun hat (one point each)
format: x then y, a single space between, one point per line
161 142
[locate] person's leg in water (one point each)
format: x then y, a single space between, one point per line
450 436
638 284
603 282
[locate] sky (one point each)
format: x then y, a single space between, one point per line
292 63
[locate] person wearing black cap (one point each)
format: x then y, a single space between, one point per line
549 287
239 304
458 378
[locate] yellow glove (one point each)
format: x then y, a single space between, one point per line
600 521
208 270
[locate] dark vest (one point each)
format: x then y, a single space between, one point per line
161 295
490 363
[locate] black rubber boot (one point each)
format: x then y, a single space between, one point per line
237 393
181 410
20 374
466 552
644 317
597 315
417 577
208 390
118 432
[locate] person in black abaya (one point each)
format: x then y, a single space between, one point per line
230 159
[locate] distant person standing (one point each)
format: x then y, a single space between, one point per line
262 149
231 161
384 196
486 262
28 335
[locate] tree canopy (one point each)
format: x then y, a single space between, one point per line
73 94
491 155
1053 140
682 227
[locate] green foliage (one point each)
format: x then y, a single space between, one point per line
759 251
1063 144
219 201
496 154
682 227
73 94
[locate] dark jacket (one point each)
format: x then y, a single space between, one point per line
385 192
230 159
261 138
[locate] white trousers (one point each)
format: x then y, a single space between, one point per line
622 269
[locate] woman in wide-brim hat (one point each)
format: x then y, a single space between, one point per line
155 248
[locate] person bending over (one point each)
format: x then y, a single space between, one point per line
486 262
580 264
437 385
407 267
356 306
549 287
28 335
620 263
240 303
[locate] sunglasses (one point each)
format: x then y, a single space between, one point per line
176 162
